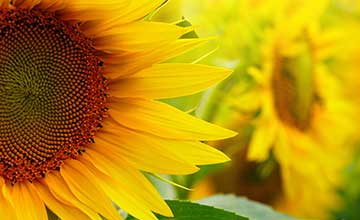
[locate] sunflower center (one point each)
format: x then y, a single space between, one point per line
52 93
294 89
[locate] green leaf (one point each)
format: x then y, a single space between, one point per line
185 103
350 191
185 210
186 23
244 207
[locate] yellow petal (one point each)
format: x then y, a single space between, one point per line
196 153
132 179
168 80
124 199
85 10
188 152
61 192
51 5
163 120
26 202
62 210
6 210
138 9
132 10
126 63
28 4
138 36
79 180
262 141
125 143
141 151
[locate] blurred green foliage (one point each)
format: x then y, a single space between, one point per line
350 193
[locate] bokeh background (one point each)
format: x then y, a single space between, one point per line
293 98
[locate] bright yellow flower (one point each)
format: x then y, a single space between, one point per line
78 120
304 118
300 104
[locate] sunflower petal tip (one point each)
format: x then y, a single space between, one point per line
227 72
222 73
226 133
226 159
232 133
222 158
168 212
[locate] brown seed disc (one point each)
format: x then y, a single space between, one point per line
52 93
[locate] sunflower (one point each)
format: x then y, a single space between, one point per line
300 108
79 124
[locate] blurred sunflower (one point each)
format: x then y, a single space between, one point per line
298 102
78 122
296 97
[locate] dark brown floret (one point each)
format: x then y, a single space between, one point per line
52 93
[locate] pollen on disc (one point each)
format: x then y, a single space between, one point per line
52 93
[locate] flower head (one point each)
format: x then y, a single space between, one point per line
78 120
298 101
